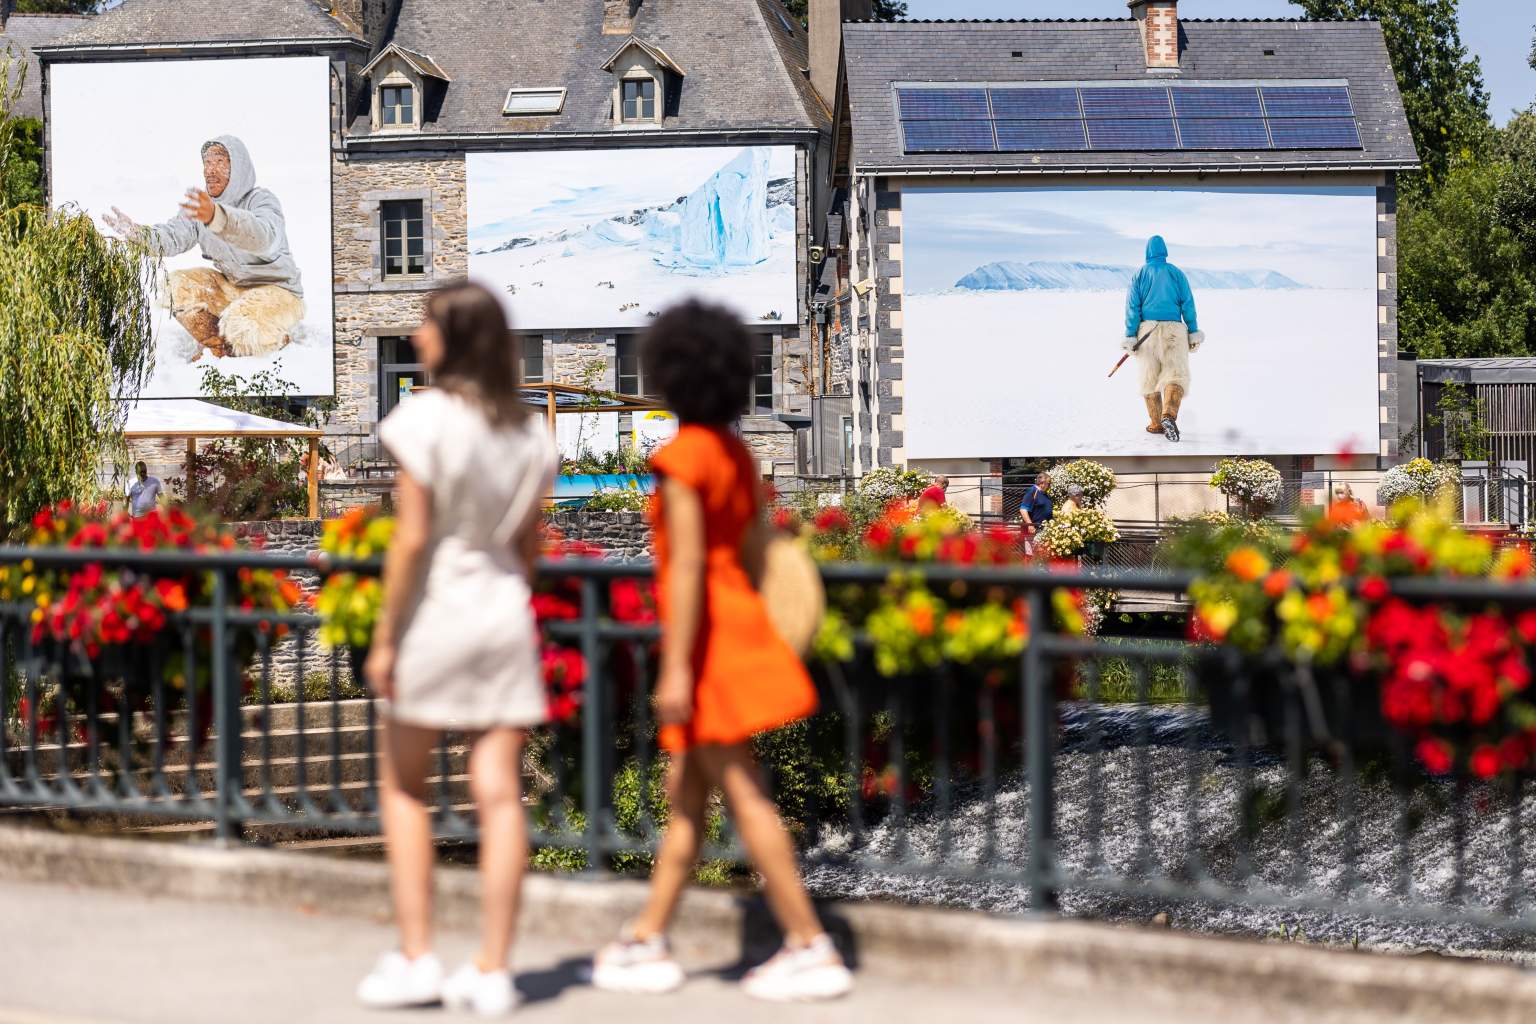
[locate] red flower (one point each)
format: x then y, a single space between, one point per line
879 535
785 520
1374 589
1434 755
633 601
833 519
1485 762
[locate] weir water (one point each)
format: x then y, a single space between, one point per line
1123 810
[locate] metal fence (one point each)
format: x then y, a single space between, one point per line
1089 776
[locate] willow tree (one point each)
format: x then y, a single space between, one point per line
75 331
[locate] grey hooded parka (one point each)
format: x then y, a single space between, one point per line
250 245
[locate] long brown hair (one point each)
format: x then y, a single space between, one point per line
479 359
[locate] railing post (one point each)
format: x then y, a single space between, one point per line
226 713
1040 737
593 784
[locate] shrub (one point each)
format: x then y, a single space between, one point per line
618 501
1096 479
889 483
1253 483
1421 479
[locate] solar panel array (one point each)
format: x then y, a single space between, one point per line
1069 118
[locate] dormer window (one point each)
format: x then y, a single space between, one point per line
397 106
648 84
639 96
406 86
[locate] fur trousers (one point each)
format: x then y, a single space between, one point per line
1163 358
250 321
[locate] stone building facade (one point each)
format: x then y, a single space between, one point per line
730 72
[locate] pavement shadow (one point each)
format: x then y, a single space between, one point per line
761 937
551 983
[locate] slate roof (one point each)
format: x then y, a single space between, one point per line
743 66
209 21
20 34
879 55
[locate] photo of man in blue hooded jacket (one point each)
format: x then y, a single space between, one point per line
1162 329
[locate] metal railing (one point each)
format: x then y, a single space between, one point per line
1088 776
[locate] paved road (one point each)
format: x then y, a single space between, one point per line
86 956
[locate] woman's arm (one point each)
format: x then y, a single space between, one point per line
404 565
684 516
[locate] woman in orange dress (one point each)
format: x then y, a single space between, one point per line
725 675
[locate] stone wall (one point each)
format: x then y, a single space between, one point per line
625 536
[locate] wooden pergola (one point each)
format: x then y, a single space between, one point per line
188 418
556 399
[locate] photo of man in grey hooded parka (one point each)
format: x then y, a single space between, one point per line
252 299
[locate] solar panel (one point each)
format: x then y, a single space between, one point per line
1314 132
1217 102
1066 117
1307 101
1030 104
1132 133
1223 133
1124 103
943 104
1040 135
948 136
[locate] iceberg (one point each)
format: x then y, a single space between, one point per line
724 222
1042 275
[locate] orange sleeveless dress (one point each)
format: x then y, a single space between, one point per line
747 680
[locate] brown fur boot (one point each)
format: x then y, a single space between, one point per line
1173 397
1155 412
204 328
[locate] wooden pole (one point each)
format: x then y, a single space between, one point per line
191 467
549 409
312 472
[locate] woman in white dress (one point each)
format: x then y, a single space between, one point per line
456 646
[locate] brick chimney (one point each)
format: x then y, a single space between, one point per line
826 39
370 17
1159 24
619 17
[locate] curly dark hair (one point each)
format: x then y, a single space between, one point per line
698 359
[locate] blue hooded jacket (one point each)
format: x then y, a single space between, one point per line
1160 291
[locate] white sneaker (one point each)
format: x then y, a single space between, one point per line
801 974
637 966
489 994
397 982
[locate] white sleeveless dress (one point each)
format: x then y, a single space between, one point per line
469 649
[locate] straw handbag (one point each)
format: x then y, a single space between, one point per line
791 588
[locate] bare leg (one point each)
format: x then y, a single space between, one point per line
767 841
495 780
408 831
688 795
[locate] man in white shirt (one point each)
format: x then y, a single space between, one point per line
144 493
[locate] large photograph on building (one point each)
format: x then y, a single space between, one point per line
609 238
1255 309
224 166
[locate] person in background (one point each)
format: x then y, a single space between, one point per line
1074 500
1035 510
725 673
456 645
144 492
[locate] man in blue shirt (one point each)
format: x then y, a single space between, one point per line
1035 510
1160 318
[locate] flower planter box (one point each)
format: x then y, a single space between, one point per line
585 485
1265 701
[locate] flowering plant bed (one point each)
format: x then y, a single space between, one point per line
110 632
1420 478
1096 479
1254 484
1316 616
1072 534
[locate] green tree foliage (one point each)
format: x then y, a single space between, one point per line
1467 254
251 478
885 10
74 329
58 6
1441 83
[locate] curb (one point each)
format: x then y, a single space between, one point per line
952 948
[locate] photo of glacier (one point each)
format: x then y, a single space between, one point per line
610 238
1014 307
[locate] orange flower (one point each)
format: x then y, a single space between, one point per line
953 621
172 595
1277 583
921 618
1319 607
1513 563
1247 564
